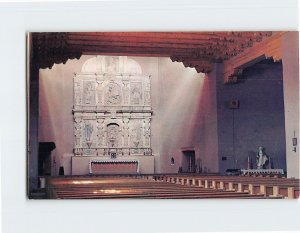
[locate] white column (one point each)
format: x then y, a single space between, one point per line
290 65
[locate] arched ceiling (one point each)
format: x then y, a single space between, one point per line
194 49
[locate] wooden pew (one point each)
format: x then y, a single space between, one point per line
171 185
84 188
268 186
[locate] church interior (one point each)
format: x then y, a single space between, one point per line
163 115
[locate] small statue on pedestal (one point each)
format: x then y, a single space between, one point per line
261 158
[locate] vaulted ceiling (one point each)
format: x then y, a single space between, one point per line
194 49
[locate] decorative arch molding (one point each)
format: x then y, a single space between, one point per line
110 121
112 65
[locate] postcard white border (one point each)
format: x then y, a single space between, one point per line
22 215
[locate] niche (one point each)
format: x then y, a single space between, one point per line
112 135
172 161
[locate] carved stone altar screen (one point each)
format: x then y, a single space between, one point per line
112 108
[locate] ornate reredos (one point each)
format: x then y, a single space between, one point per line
112 107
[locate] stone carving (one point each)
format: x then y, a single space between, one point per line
89 92
100 132
136 134
113 114
89 151
113 94
88 130
147 132
112 108
94 65
147 94
99 93
147 151
112 66
78 131
126 92
100 152
136 97
125 132
112 135
77 93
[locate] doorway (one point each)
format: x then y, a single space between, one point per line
44 159
188 161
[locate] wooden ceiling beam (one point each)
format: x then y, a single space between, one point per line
131 49
143 35
194 49
190 41
160 42
127 54
137 44
156 52
244 34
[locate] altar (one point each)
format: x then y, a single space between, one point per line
81 165
129 166
262 172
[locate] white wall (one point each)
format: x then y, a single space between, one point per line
290 62
55 108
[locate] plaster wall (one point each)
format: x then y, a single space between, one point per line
259 120
290 62
187 116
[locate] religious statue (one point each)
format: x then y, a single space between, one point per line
112 131
99 92
89 93
112 64
88 130
113 94
136 134
136 96
261 158
77 93
77 131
